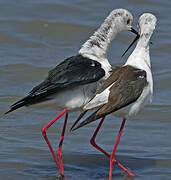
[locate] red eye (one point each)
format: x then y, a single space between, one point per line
128 21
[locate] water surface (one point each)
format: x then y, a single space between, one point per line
37 35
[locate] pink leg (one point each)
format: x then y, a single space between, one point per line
93 143
58 158
112 157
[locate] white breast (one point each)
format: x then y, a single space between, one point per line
73 99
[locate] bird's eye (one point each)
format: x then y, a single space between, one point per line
128 21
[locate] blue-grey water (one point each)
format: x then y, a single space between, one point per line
36 35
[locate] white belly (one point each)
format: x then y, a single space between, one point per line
73 98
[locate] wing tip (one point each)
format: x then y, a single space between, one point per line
78 119
91 118
8 111
18 104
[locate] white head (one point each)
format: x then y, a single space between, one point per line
147 24
140 57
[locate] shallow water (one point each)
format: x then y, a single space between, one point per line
37 35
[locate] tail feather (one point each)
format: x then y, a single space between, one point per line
90 119
78 119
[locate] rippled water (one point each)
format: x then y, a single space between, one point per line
37 35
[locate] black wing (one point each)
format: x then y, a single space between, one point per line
126 90
76 70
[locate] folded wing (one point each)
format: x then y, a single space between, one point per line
74 71
126 85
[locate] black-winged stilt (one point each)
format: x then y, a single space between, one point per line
73 82
126 90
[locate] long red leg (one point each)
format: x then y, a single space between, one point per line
112 157
59 153
93 143
92 140
58 158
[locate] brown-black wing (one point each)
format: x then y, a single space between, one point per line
124 91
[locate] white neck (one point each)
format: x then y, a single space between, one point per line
140 57
98 43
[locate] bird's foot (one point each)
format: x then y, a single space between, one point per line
60 177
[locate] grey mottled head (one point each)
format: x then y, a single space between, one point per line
97 45
120 18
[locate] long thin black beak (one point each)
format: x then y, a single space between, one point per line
137 37
134 31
